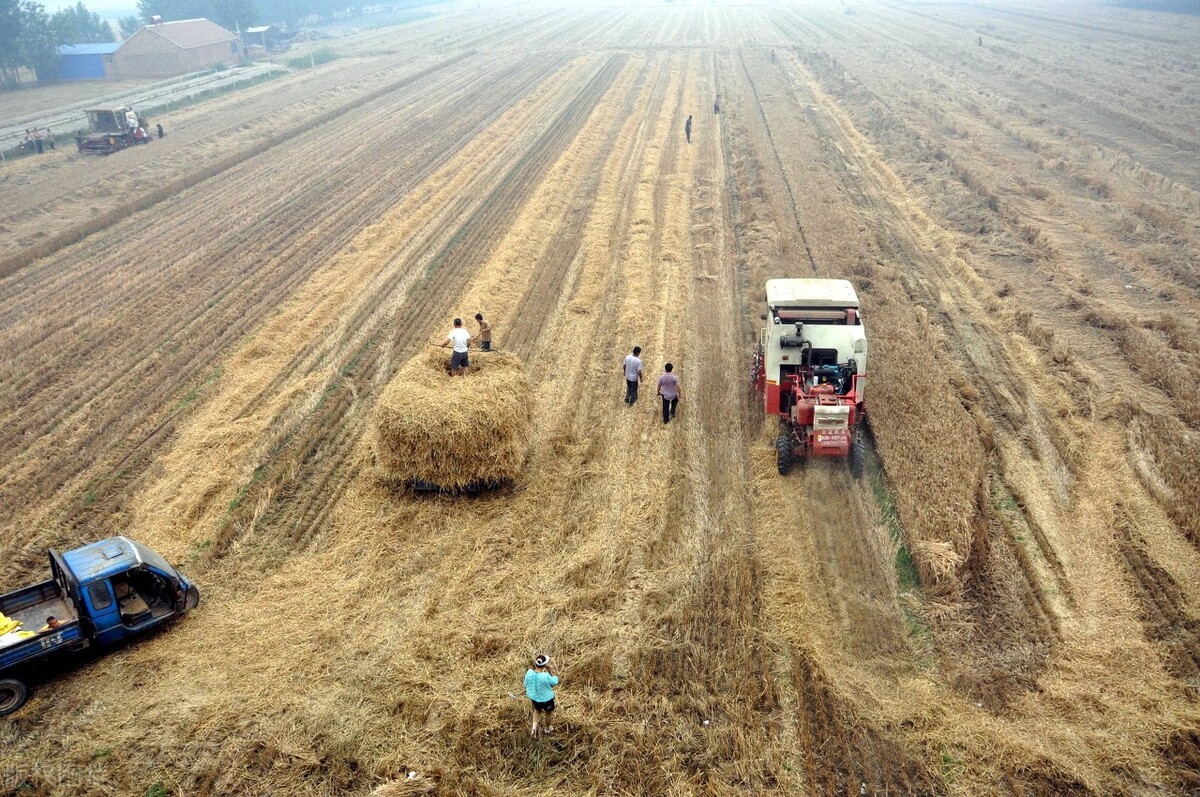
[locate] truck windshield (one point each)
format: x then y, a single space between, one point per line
154 560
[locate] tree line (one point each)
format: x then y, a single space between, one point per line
29 36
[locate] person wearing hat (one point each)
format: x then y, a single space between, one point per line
539 688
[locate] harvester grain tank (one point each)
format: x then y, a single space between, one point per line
811 365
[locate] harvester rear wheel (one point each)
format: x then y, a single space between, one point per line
783 454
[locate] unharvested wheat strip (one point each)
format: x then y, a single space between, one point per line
222 444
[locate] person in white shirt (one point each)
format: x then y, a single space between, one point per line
633 375
461 339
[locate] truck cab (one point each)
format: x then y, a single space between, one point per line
97 595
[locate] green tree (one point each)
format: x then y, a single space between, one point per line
26 40
129 25
76 25
233 14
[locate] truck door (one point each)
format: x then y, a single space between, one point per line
102 608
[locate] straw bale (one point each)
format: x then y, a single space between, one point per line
454 431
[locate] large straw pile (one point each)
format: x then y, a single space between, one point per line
454 432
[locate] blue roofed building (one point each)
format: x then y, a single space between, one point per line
85 61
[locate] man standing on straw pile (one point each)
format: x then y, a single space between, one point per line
461 338
669 391
539 688
633 374
485 333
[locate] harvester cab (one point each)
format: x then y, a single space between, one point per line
811 366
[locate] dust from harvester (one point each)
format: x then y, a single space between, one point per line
454 432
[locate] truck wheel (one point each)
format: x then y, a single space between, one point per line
192 599
783 454
13 695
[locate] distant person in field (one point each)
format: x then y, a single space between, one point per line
485 333
633 374
461 340
980 41
717 105
772 56
158 127
539 688
687 129
669 391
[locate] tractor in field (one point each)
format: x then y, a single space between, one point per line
811 367
112 129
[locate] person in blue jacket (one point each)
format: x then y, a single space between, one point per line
539 688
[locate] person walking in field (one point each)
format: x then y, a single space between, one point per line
461 339
633 374
539 688
687 129
158 128
669 391
717 105
485 333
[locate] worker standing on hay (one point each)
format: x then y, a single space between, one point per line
687 128
485 333
633 374
461 339
539 688
669 391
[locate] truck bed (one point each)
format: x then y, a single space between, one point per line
32 605
34 617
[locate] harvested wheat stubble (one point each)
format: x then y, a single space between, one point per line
454 432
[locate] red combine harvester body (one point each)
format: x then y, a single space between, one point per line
811 365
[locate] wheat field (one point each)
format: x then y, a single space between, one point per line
196 337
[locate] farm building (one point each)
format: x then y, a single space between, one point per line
166 49
86 61
268 37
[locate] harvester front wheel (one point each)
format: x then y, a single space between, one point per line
858 456
783 454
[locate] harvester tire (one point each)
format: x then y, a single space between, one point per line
783 454
858 456
13 695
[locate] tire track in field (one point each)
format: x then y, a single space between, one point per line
829 544
306 479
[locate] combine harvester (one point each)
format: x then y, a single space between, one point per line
112 129
811 365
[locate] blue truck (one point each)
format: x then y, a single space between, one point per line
97 596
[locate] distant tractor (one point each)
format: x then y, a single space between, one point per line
811 365
112 129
